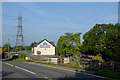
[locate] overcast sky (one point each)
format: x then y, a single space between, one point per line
50 20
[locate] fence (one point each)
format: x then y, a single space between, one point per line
49 60
113 66
94 64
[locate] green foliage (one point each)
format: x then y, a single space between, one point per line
110 74
59 47
110 44
6 57
103 39
18 48
69 44
72 62
30 47
92 37
21 56
98 57
5 48
0 50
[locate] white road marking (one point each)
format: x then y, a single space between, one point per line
8 64
72 71
47 78
25 70
94 75
54 67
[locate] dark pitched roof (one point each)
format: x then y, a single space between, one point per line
52 43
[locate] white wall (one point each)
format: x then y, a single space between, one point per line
48 51
54 60
66 60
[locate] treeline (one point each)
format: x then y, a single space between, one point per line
16 48
102 39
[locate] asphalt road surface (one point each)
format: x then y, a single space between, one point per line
15 69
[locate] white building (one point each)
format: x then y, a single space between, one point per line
44 47
46 51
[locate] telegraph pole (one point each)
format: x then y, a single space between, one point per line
8 47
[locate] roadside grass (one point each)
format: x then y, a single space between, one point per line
4 59
75 67
19 59
7 59
23 60
97 57
73 62
109 74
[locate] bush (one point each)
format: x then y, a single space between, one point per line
6 57
21 56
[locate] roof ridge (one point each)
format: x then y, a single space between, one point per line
42 41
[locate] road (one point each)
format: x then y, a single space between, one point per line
15 69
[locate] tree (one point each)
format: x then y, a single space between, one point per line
92 37
5 47
103 39
69 44
31 45
0 49
59 47
17 48
110 44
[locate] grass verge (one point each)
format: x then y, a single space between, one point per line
109 74
23 60
75 67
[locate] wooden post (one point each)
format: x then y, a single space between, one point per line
113 65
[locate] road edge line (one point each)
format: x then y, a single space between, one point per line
70 70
